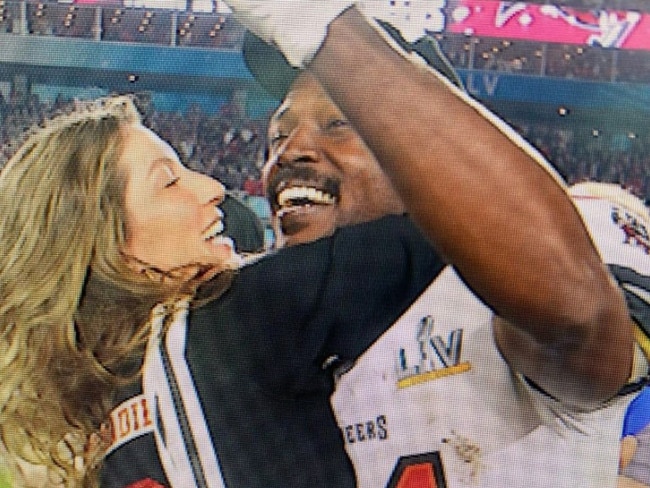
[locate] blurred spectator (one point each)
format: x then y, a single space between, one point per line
622 158
519 57
253 186
633 66
9 17
592 63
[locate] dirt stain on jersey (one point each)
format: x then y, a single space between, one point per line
468 451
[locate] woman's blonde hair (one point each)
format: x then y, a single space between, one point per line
73 311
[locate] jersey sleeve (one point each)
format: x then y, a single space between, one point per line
619 227
132 459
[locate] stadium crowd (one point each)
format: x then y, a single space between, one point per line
229 144
621 158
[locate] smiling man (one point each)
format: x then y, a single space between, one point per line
320 175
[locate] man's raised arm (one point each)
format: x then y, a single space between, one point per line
483 197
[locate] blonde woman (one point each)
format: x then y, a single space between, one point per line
107 240
85 204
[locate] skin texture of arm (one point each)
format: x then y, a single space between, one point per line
492 210
628 448
624 482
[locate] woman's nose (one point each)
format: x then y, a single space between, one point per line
209 190
218 190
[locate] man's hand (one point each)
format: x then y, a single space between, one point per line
296 27
299 27
413 18
624 482
628 448
634 467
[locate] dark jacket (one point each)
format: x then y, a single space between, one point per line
263 356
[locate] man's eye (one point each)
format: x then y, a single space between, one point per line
276 139
337 123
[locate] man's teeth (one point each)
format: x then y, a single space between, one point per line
214 230
302 195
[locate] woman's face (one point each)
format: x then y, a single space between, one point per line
172 212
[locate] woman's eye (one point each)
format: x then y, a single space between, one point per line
171 178
171 182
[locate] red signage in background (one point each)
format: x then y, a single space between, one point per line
550 23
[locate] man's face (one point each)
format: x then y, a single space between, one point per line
320 175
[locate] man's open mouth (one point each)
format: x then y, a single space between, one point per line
294 197
295 189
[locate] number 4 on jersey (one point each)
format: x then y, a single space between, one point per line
419 471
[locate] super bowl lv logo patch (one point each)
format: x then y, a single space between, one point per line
432 356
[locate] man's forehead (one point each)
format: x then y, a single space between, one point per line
305 99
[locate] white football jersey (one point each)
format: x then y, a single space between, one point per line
433 404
